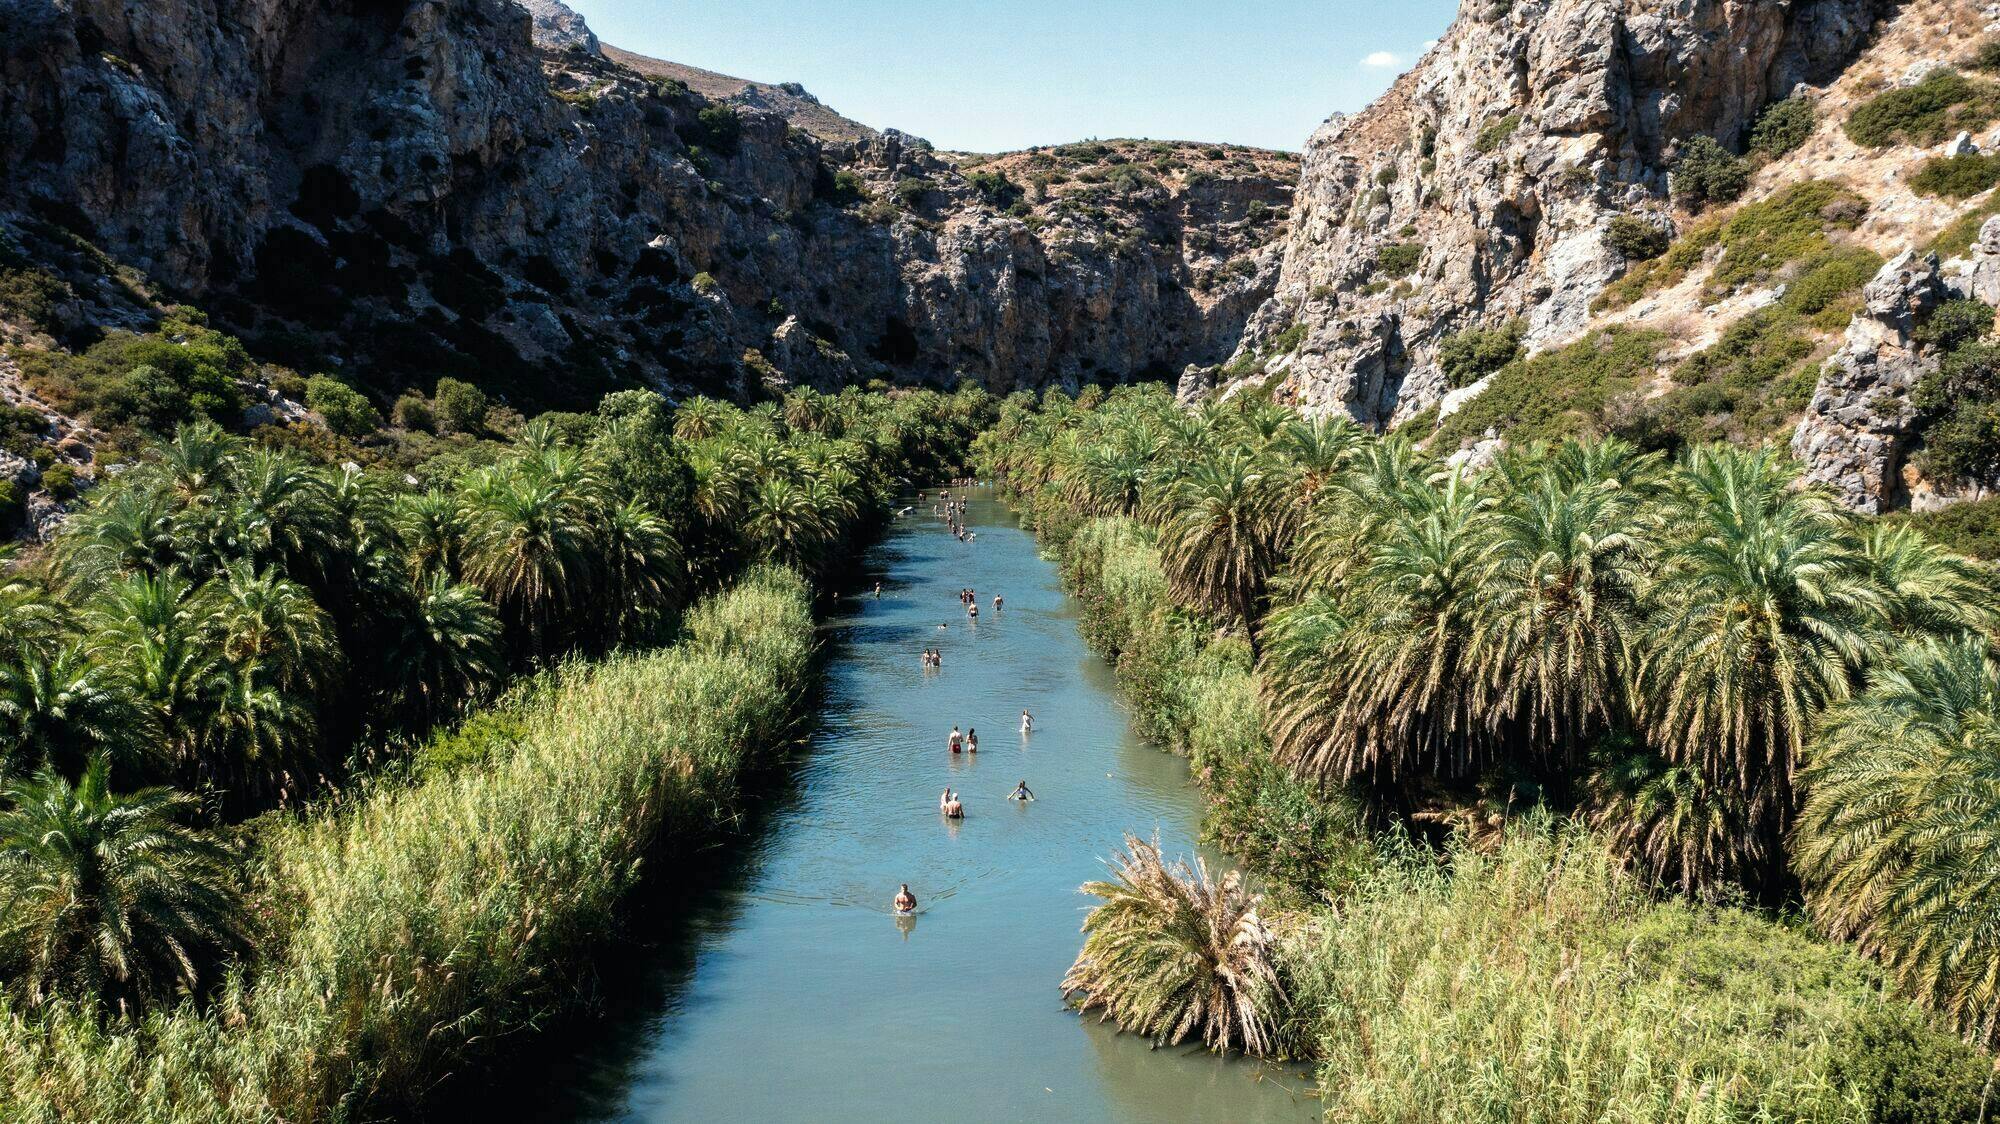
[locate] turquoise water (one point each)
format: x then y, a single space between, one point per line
784 988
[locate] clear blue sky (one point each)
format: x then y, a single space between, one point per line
992 75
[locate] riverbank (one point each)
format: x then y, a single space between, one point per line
1534 977
419 922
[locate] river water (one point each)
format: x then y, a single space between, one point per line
783 988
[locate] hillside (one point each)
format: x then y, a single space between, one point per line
388 198
1668 235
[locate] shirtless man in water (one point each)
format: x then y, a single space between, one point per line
906 902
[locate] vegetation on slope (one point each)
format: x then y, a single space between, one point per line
1587 632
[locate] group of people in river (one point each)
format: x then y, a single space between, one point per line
951 805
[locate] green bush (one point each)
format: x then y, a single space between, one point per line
460 407
995 188
1705 174
1957 238
846 187
346 410
1635 239
1474 353
1986 56
59 480
721 129
1496 133
911 191
31 295
1783 127
1971 528
1557 393
1954 323
413 412
1930 112
1399 259
1957 177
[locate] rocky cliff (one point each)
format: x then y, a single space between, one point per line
412 188
1481 188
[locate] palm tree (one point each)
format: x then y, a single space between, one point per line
1673 825
149 633
1898 843
125 529
642 567
110 899
700 419
532 549
1929 589
1762 614
1408 673
1172 953
1217 535
446 653
784 525
60 708
1559 606
263 619
433 527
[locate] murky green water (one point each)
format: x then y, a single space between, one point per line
786 990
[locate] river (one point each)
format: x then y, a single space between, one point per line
782 988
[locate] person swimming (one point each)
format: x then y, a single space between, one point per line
972 611
1021 793
906 902
956 741
996 602
1027 722
972 741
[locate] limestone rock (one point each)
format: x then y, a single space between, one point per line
1502 156
1855 432
558 28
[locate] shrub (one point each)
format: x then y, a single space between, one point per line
705 283
846 187
1783 127
1929 112
59 480
721 129
1957 177
995 188
1635 239
32 295
1971 528
1496 133
1399 259
346 410
1474 353
1955 322
460 407
1557 393
1705 173
413 412
912 190
1986 56
1954 240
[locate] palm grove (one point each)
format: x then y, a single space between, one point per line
1741 692
237 662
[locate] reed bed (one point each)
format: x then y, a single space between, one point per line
1541 983
415 925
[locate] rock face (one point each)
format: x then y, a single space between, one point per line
1495 167
558 28
1854 435
417 189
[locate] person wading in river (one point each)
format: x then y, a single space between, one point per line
906 902
956 740
972 741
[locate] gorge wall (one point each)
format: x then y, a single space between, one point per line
409 188
1503 157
